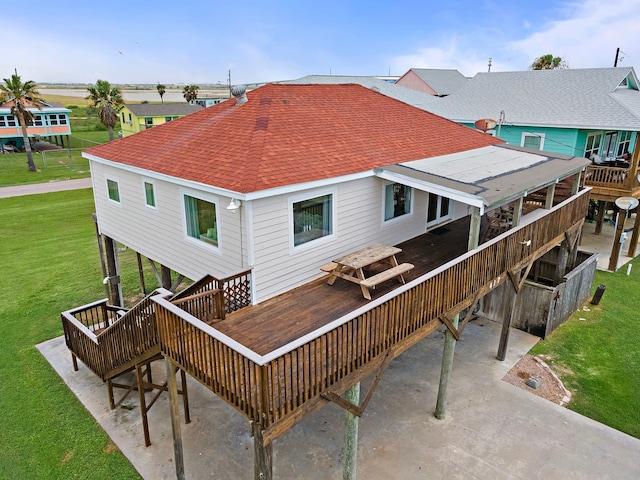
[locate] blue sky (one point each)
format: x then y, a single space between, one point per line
260 41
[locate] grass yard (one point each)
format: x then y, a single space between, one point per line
50 259
14 170
597 353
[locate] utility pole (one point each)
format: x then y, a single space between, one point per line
229 83
489 64
615 62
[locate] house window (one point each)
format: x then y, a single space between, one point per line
53 119
201 219
114 191
609 145
11 121
535 141
36 121
168 119
625 143
62 118
3 121
312 219
122 115
397 200
593 144
438 209
148 121
150 194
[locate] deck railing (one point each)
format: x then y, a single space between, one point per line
122 336
277 388
612 177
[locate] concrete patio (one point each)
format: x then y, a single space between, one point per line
492 430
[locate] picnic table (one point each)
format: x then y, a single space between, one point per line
352 267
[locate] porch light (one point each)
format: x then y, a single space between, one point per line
234 205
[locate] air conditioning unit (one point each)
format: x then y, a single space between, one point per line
128 122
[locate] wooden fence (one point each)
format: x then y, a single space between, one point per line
280 388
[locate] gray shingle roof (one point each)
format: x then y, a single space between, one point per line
572 98
158 110
444 82
406 95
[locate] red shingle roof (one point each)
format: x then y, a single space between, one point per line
289 134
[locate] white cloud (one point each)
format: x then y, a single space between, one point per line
589 36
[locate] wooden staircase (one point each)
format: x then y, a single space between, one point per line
112 342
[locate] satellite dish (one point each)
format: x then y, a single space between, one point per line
485 124
626 203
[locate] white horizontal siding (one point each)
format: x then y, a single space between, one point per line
358 223
160 234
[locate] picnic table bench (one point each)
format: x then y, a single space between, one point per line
351 267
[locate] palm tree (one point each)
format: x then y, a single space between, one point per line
190 92
548 62
161 89
108 100
22 95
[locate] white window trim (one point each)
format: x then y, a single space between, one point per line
196 241
532 134
153 208
117 182
295 249
401 218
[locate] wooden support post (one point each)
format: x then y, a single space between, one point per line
141 274
262 461
506 322
445 373
350 446
561 265
602 209
474 228
517 212
166 277
551 191
617 246
175 419
633 243
143 403
112 271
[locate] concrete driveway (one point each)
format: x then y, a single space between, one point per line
493 430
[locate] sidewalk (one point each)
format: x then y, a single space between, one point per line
31 189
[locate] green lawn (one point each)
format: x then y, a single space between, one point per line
50 264
50 259
597 353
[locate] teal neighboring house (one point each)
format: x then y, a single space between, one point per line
583 112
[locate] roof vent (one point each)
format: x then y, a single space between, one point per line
240 92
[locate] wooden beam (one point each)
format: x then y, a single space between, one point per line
506 326
350 445
575 186
602 208
141 273
551 191
166 277
175 419
561 264
445 373
263 455
452 328
633 243
112 271
517 212
617 246
474 228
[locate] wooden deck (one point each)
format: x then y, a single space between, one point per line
276 322
279 361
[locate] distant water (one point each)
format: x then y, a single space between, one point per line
170 96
